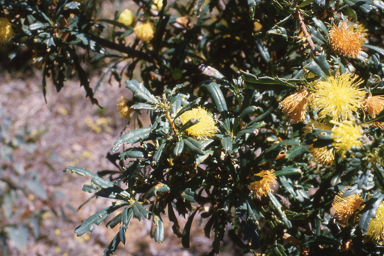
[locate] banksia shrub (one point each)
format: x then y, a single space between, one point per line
264 118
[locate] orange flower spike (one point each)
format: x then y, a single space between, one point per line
347 38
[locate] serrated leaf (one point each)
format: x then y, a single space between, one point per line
132 137
97 218
139 211
159 230
194 145
143 106
96 179
320 24
134 153
189 124
201 158
113 222
378 49
279 210
38 25
141 91
113 245
296 151
289 170
188 195
268 83
187 230
72 5
226 142
250 129
157 155
172 217
246 112
162 188
179 147
126 216
217 96
187 107
369 212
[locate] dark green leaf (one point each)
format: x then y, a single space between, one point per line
278 208
296 151
141 91
179 147
159 230
187 230
132 137
189 106
97 218
134 153
188 195
194 145
143 106
227 144
157 155
378 49
217 96
139 211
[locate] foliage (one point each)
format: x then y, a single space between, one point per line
23 199
286 148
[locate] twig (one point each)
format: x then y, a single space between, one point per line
121 48
305 31
171 123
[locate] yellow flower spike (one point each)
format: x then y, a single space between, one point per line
126 17
374 105
345 136
157 4
346 206
347 38
376 225
144 31
263 187
295 105
338 97
205 128
323 155
6 31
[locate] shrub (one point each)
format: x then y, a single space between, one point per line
266 117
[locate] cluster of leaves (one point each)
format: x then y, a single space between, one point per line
23 199
276 47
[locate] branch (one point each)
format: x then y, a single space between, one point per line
305 31
121 48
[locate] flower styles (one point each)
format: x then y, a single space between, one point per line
157 4
123 109
346 206
6 31
345 136
263 187
323 155
347 38
376 225
374 105
126 17
144 31
338 97
206 127
295 105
